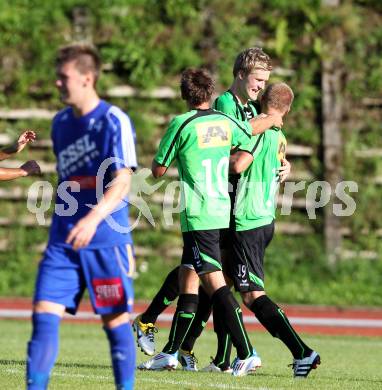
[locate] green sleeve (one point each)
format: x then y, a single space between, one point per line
169 145
224 105
241 133
255 145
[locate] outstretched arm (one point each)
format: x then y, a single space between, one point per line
27 169
25 138
263 122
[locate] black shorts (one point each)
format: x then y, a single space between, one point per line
246 266
225 240
201 250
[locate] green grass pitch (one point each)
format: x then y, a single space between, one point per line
83 363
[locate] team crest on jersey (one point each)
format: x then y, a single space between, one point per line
213 134
281 151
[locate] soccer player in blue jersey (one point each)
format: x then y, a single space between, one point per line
90 245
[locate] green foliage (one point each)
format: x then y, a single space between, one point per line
146 44
297 271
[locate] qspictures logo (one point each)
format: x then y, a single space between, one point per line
144 195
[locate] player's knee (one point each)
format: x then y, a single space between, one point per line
249 297
111 321
188 281
213 281
188 303
49 307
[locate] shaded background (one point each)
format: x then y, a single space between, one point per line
328 51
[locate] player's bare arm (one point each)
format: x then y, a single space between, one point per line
84 230
263 122
30 168
157 169
26 137
240 161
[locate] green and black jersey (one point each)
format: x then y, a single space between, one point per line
230 105
255 188
258 185
200 141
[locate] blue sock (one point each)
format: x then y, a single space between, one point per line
122 348
42 350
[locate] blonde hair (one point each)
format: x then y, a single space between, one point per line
250 59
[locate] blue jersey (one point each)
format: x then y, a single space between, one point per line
89 149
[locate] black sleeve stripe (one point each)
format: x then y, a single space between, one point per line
257 143
255 105
239 109
234 121
181 127
246 151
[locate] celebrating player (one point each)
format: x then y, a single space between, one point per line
253 226
27 169
251 71
200 142
89 244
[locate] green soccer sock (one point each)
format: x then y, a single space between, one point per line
201 317
181 322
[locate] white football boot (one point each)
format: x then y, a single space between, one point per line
188 360
145 335
161 361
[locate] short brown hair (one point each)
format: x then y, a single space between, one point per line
196 86
278 96
86 58
250 59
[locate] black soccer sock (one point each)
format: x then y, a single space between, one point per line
230 312
277 324
167 293
181 322
223 353
201 317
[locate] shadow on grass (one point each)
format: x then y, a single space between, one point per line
6 362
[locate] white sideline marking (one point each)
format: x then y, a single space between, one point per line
63 374
307 321
20 313
193 384
148 380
